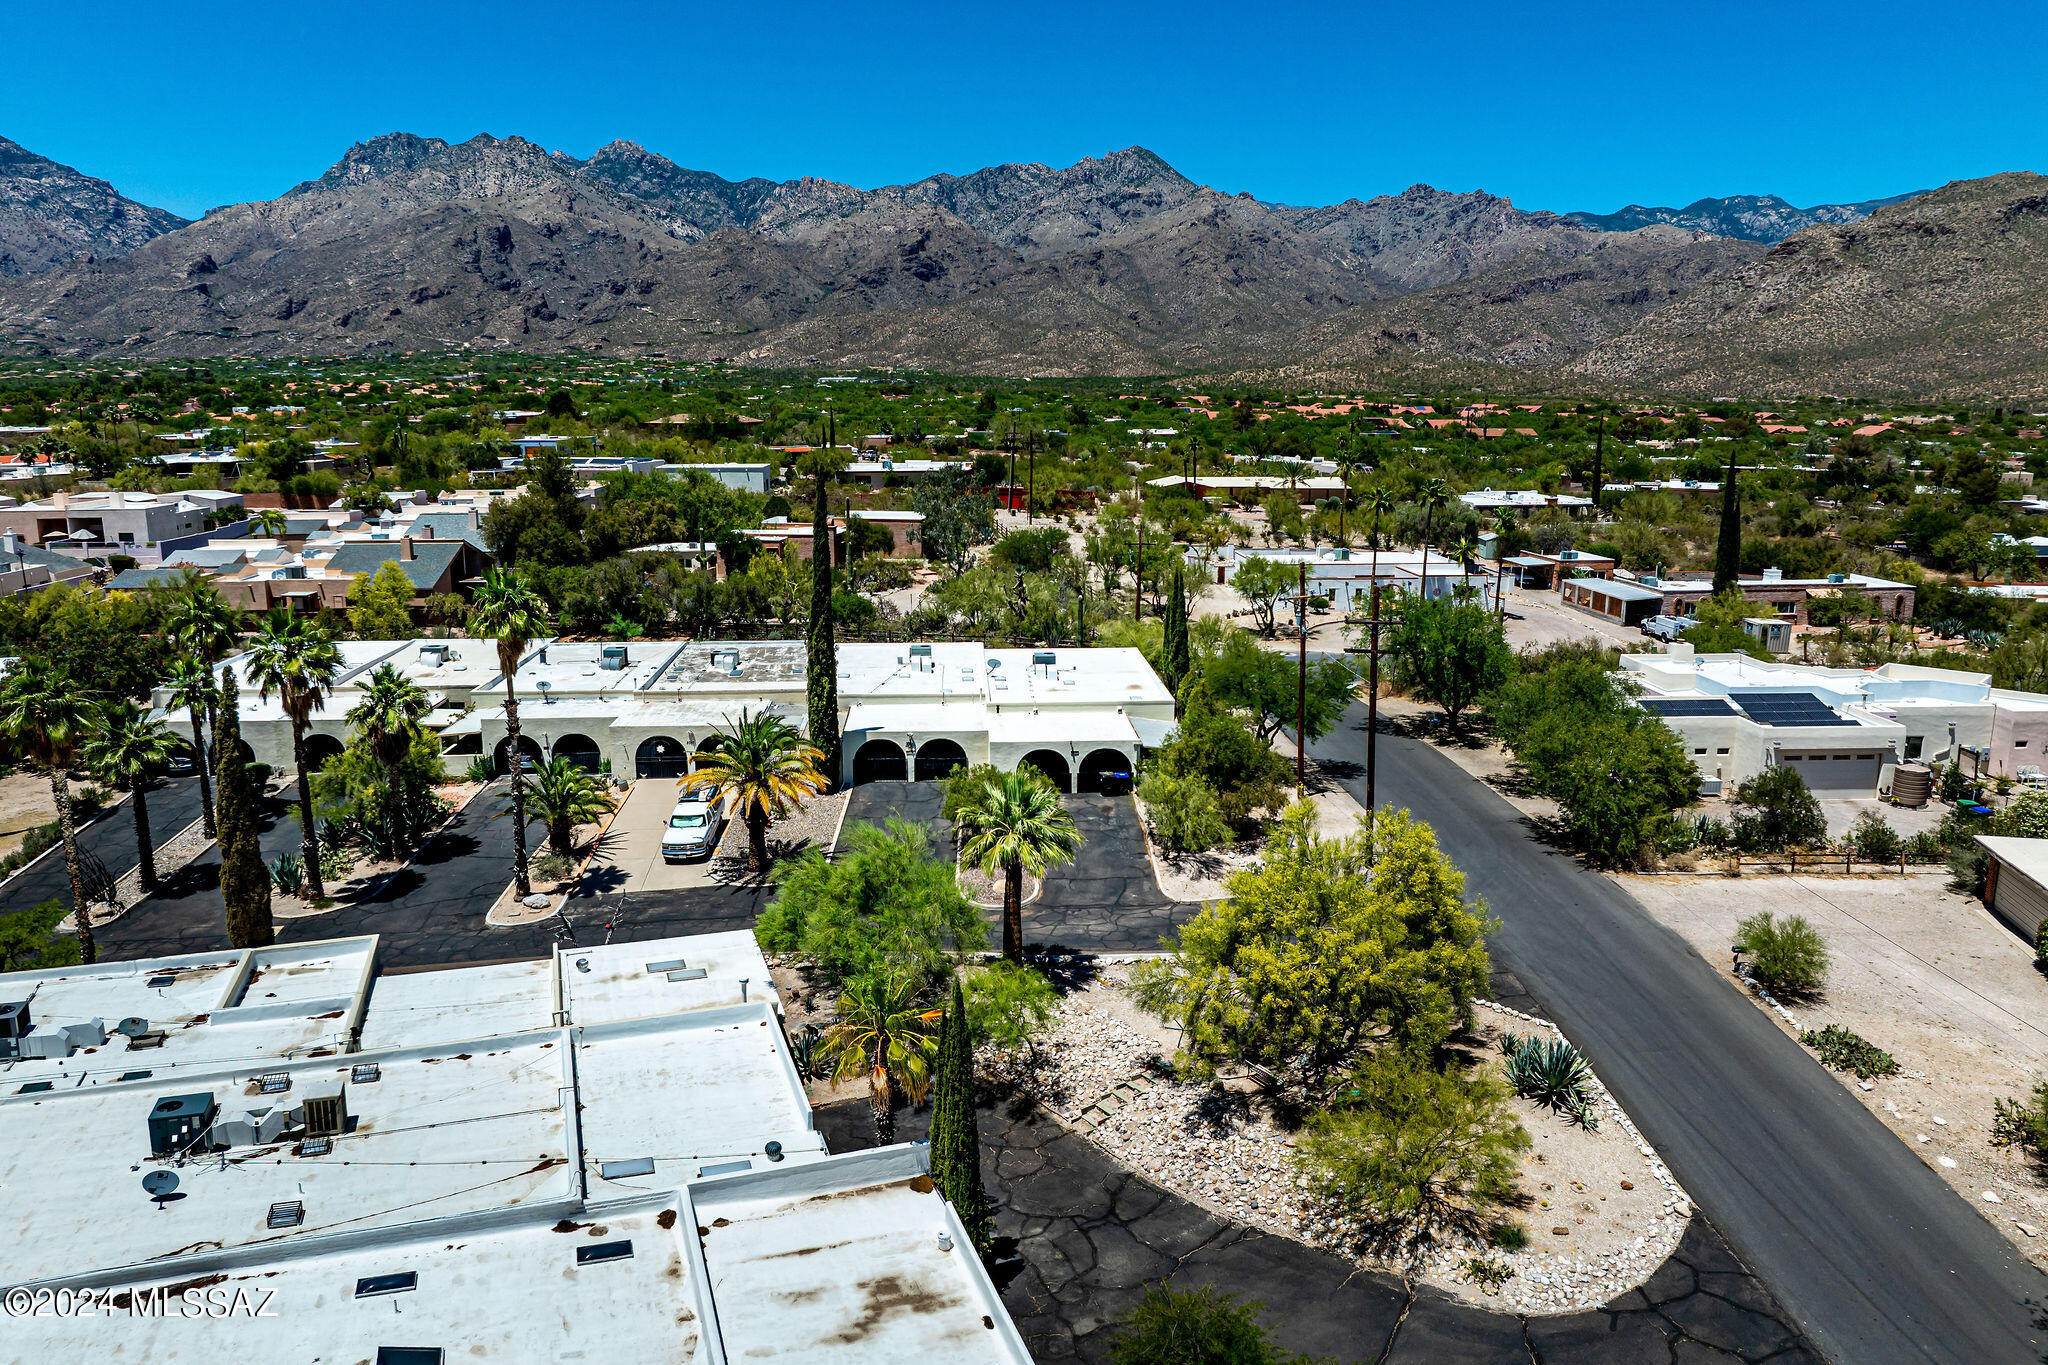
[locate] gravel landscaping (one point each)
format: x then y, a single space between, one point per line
1602 1212
813 824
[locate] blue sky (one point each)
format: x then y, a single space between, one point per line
1560 106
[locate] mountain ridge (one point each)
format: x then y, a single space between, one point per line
50 214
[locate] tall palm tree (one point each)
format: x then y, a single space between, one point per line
507 609
884 1033
762 767
201 620
1435 494
564 796
129 749
1017 823
270 522
388 716
297 660
44 717
192 687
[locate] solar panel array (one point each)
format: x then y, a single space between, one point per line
1791 708
1687 706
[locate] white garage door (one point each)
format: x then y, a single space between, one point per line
1852 773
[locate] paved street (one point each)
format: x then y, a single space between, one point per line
1104 901
111 839
1873 1255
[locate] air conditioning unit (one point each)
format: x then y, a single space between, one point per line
326 1109
179 1123
612 658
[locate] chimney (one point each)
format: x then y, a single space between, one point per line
405 547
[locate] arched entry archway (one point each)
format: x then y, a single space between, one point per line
880 760
580 750
320 751
660 756
1107 771
938 757
710 744
527 747
1051 762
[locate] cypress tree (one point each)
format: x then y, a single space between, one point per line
1177 652
1728 546
822 655
955 1136
244 881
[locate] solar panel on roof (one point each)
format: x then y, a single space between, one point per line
1790 708
1688 706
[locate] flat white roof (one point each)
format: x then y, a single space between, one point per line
420 1008
619 981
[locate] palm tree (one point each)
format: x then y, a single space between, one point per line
1017 823
192 687
388 716
204 623
296 659
883 1032
763 768
270 522
129 749
564 796
44 716
1435 494
508 610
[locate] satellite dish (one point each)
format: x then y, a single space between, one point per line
158 1186
132 1026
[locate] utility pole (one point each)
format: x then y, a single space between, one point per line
1500 604
1301 683
1030 480
1138 576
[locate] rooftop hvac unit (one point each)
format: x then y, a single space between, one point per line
435 655
613 658
292 571
326 1109
178 1122
1044 658
14 1020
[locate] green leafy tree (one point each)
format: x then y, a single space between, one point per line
1010 1005
1451 653
1728 544
297 660
1415 1149
388 719
1219 751
882 1032
1324 951
1787 954
1178 661
1185 815
883 902
762 769
564 796
1265 686
1017 824
29 940
955 1134
380 604
1774 811
131 750
821 678
244 880
508 611
1262 583
44 717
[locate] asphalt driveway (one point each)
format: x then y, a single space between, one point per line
111 839
1872 1254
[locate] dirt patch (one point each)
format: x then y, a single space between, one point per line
1932 978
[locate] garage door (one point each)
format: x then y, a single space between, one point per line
1851 773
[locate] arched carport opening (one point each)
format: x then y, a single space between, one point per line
710 744
1106 771
880 760
1050 762
660 756
321 750
938 757
580 750
502 761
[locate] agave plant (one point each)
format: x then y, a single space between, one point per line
807 1051
288 874
1549 1071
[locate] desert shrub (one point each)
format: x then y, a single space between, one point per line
36 842
1549 1071
1786 954
1874 840
1488 1272
2022 1123
1009 1005
964 786
1969 866
288 873
550 866
1417 1146
2026 817
1846 1051
1194 1327
1508 1236
1924 847
1185 816
1709 833
29 939
2041 945
480 769
1775 811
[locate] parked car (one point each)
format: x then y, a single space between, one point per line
1667 628
693 829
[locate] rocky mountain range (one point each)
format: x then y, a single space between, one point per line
1752 217
50 214
1114 265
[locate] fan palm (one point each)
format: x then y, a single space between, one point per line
1435 494
270 522
763 768
129 750
564 796
297 660
1017 823
388 716
507 609
201 620
44 717
192 687
882 1032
